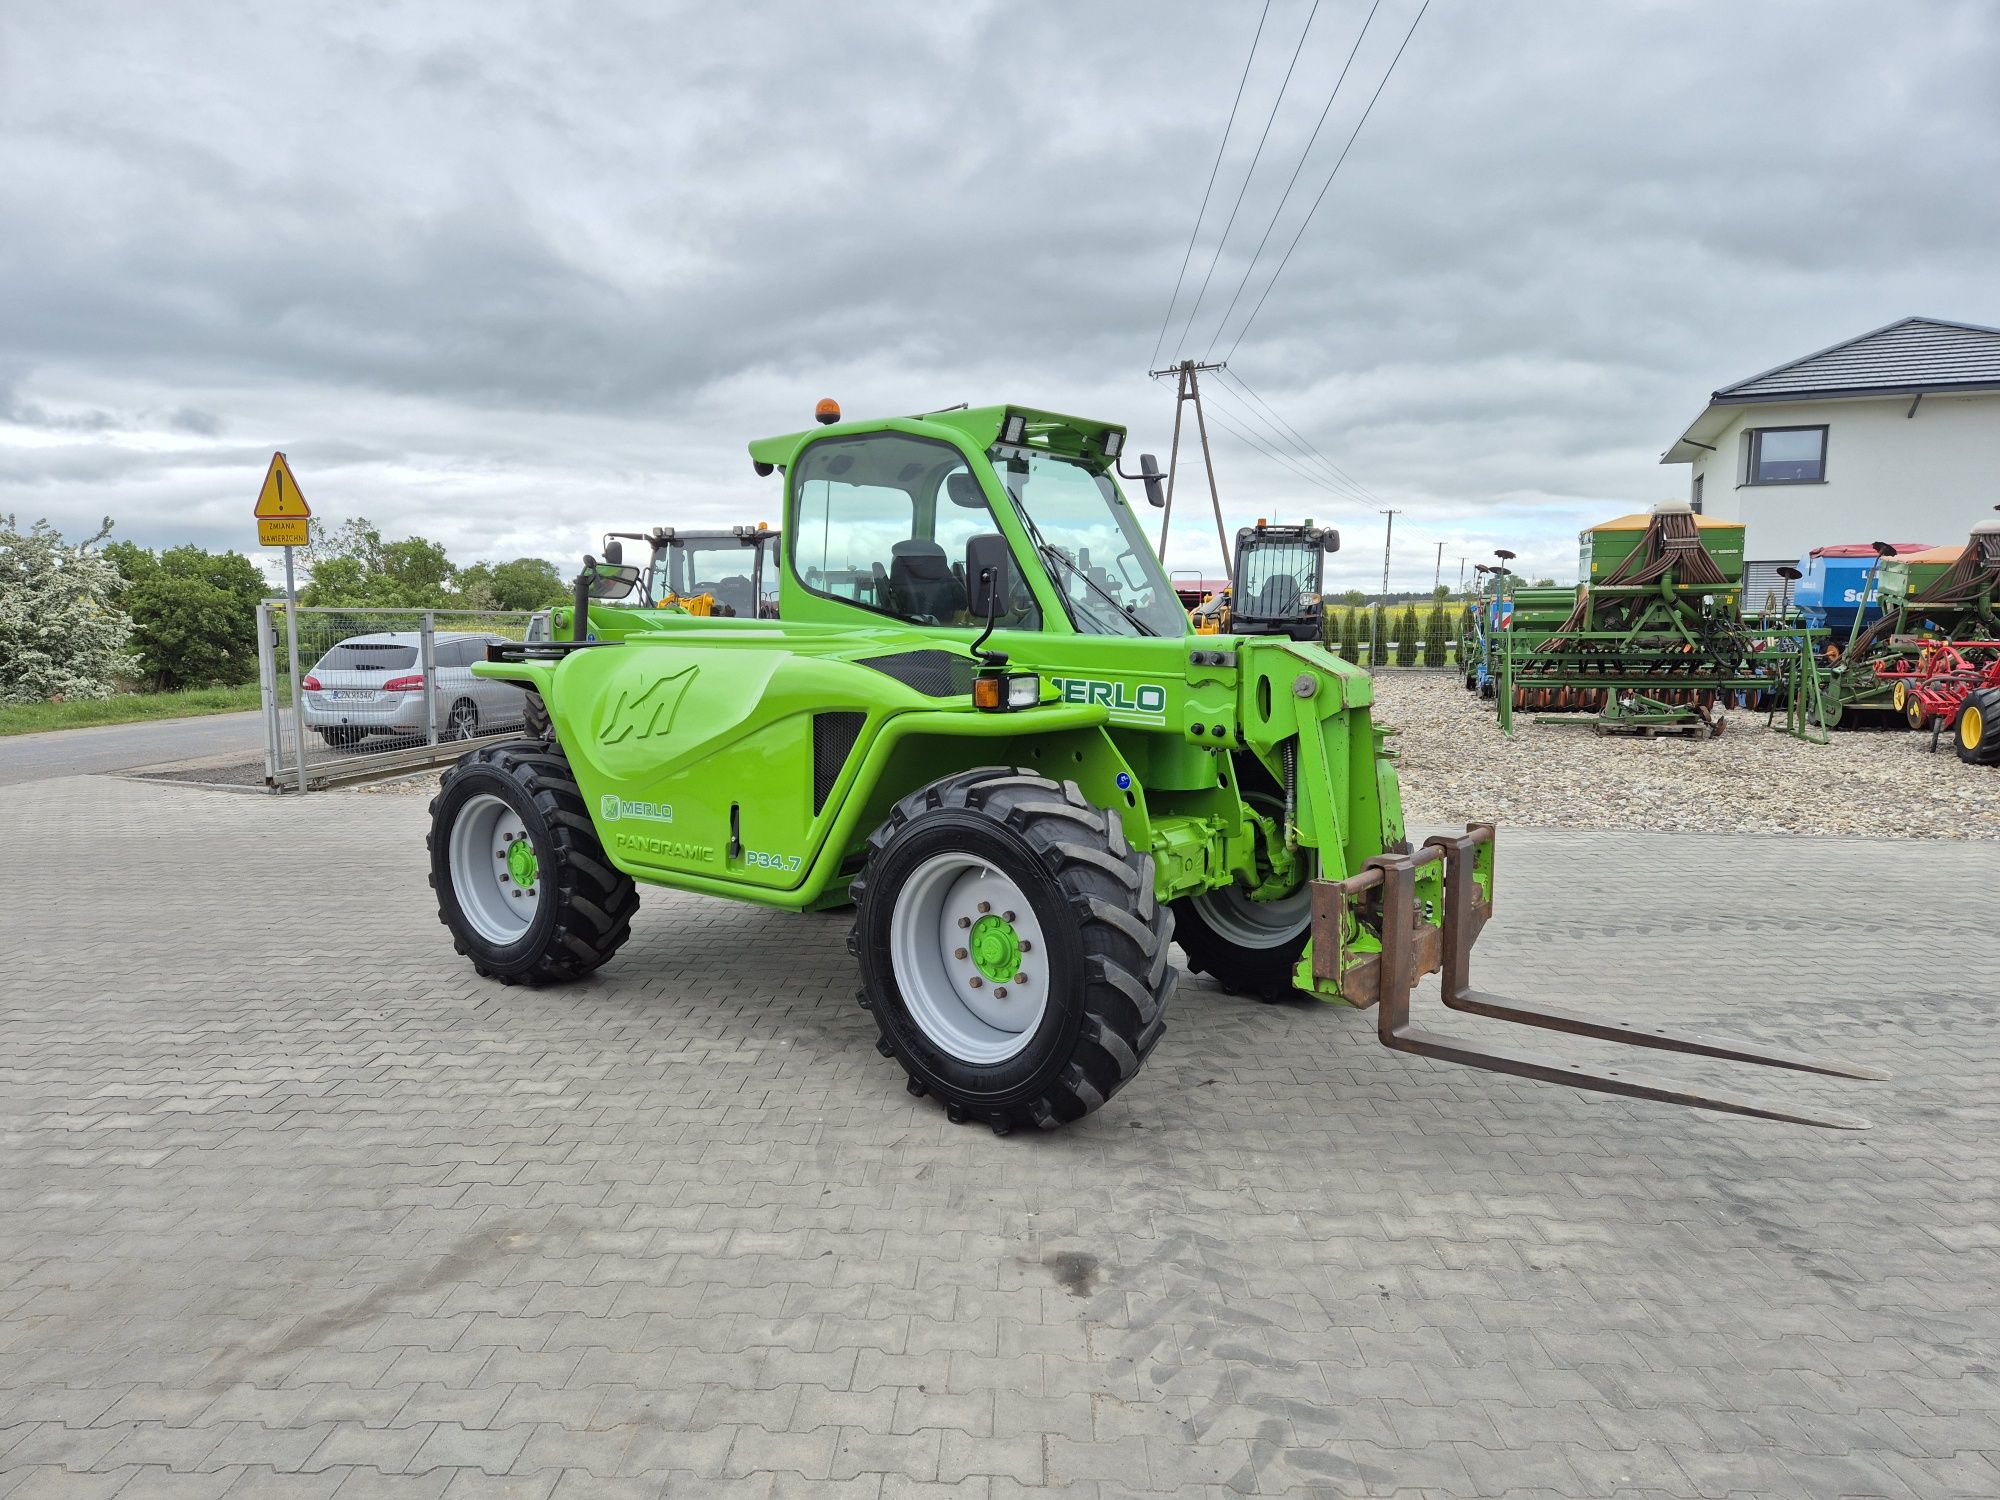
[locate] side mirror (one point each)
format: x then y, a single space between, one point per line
610 580
1329 539
1149 472
989 571
614 550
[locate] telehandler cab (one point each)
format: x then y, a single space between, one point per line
983 719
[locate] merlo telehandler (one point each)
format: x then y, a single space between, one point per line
982 719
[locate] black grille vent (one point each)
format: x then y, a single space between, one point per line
834 735
935 674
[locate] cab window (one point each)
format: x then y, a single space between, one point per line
883 520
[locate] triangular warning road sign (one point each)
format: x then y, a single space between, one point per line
280 495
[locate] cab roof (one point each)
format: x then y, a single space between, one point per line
981 426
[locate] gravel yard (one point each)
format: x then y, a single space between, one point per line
1456 765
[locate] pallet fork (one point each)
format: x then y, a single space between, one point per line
1385 891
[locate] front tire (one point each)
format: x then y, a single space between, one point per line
521 879
1012 951
535 717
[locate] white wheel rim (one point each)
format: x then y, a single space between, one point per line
965 1005
485 868
1255 924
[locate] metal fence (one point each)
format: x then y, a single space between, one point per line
379 690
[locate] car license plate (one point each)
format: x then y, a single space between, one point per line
349 694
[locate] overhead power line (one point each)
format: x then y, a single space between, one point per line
1286 196
1277 458
1302 439
1387 74
1255 157
1266 431
1195 234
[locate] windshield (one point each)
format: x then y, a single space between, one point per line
1278 577
724 568
1108 577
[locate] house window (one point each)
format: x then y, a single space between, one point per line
1695 503
1787 455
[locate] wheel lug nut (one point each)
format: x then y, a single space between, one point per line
977 981
999 992
958 953
1026 946
985 906
1006 916
965 921
517 893
1021 978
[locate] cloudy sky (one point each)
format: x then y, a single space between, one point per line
508 274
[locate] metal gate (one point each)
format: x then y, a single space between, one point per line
379 690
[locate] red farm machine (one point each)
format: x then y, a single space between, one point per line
1943 596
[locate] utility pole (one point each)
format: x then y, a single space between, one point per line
1437 578
1461 575
1376 649
1187 387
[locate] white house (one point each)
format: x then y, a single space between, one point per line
1892 436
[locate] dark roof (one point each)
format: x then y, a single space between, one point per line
1910 355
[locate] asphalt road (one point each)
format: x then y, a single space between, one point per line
123 747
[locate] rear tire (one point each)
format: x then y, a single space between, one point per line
341 739
1248 947
575 909
1097 979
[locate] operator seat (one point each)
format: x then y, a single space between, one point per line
736 595
920 581
1279 596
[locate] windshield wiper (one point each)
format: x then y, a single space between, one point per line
1124 609
1052 553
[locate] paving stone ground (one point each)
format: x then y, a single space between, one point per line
292 1204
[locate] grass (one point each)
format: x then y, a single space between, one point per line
124 708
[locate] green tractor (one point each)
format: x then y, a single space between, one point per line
983 720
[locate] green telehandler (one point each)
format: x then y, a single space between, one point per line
983 720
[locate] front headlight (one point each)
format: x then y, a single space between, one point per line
1003 692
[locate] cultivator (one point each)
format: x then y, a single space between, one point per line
1653 642
1947 594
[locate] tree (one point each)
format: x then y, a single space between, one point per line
62 634
524 583
1350 636
1378 638
1354 598
194 614
1406 637
1442 591
1434 637
353 566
